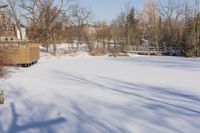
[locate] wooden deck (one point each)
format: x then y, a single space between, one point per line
1 97
19 52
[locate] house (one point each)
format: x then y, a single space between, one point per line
8 30
90 28
23 32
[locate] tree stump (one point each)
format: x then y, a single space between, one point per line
1 97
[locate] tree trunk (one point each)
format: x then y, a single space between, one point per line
20 32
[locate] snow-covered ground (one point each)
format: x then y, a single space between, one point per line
86 94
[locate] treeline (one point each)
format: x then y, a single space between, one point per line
164 23
50 21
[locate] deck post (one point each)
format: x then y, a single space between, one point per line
1 97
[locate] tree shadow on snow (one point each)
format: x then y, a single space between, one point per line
179 63
152 108
158 106
87 122
33 116
40 125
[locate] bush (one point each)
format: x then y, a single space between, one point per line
192 52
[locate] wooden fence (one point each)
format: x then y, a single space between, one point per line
155 50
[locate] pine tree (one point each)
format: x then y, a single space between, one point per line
131 29
188 39
197 45
191 39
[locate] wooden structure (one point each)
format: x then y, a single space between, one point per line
23 53
1 97
155 51
145 50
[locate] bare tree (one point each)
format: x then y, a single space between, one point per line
81 18
45 19
118 32
103 35
171 14
31 12
150 22
13 11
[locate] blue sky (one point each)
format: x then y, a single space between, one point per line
109 9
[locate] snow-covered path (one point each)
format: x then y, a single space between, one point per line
103 95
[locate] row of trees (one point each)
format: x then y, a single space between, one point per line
170 23
50 21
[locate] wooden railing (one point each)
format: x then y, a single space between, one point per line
155 50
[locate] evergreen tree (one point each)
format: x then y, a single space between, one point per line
197 35
191 39
131 29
